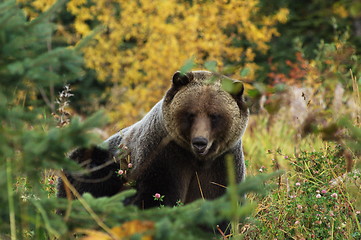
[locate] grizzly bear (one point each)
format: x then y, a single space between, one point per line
177 150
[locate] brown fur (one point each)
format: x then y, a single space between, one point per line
203 98
178 149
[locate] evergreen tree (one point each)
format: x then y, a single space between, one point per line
31 141
30 138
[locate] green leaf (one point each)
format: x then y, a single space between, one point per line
253 93
227 85
188 65
244 72
231 86
211 66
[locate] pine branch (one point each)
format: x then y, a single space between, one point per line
82 43
45 16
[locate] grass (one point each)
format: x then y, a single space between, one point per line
314 199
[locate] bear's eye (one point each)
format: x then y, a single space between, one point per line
215 118
190 117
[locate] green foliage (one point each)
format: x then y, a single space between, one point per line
182 222
313 202
211 66
309 23
21 44
29 137
188 65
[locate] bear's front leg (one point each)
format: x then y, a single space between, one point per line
100 179
163 186
167 175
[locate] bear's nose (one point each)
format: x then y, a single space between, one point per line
199 144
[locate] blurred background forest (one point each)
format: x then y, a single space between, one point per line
61 62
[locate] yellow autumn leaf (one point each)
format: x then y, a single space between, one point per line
136 226
94 235
123 231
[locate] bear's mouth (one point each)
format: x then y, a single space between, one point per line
204 158
201 152
201 147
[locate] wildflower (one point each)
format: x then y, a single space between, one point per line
130 165
332 214
157 196
334 195
318 195
357 212
286 157
298 184
120 172
297 222
317 191
179 203
323 191
299 206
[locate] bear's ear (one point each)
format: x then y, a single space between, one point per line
180 79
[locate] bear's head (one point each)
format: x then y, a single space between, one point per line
201 116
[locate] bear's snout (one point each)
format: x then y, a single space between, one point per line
199 145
